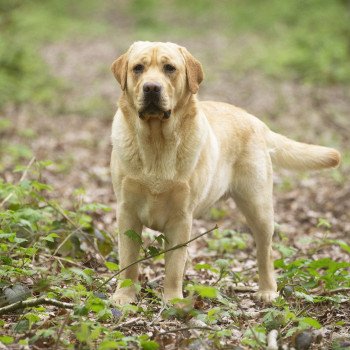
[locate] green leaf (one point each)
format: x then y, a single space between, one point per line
21 326
32 318
153 251
222 263
206 291
112 266
83 333
81 310
161 238
82 274
51 237
126 283
305 296
202 267
323 223
284 250
134 236
6 339
108 345
310 321
149 345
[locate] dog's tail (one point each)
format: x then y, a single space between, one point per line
295 155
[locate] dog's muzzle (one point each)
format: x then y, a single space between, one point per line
152 106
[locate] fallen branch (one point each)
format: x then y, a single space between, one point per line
35 302
147 257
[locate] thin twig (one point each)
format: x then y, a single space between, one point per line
147 257
187 329
35 302
24 175
60 258
60 331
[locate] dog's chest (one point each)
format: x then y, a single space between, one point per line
156 202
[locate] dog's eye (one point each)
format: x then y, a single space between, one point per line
138 68
169 68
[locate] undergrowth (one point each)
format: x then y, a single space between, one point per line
58 253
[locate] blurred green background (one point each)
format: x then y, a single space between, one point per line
300 40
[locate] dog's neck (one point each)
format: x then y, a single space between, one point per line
158 146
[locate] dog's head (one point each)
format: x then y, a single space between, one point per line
157 77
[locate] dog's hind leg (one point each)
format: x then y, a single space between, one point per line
253 196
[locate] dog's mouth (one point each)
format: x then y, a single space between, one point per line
154 111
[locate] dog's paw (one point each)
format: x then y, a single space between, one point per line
122 297
267 296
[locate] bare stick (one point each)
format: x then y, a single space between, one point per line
181 245
187 329
35 302
243 289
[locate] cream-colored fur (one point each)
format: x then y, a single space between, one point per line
166 172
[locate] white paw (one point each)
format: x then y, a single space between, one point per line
266 296
124 296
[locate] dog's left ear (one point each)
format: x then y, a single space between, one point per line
194 71
120 69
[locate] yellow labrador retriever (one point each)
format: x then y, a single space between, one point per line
173 157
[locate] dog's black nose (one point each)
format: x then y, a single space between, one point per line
152 88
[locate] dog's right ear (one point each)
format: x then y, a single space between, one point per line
120 69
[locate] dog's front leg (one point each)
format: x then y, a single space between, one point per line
129 250
178 232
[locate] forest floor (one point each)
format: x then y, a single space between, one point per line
312 214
